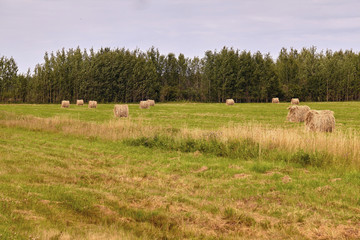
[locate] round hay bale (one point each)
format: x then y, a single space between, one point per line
92 104
322 121
80 102
295 101
230 102
151 102
121 110
297 113
144 105
275 100
65 104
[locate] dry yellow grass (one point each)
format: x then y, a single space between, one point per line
111 130
111 234
342 144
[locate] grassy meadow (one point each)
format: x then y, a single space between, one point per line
177 171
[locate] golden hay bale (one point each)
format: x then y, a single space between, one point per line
144 104
80 102
275 100
92 104
297 113
295 101
322 121
151 102
230 102
65 104
121 110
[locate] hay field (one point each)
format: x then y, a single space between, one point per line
195 115
177 171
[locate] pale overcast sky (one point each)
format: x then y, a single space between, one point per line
28 28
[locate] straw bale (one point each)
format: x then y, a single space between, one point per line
144 105
230 102
151 102
295 101
275 100
92 104
297 113
322 121
65 104
121 110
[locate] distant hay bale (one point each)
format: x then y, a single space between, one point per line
65 104
295 101
230 102
297 113
322 121
275 100
144 105
80 102
92 104
151 102
121 110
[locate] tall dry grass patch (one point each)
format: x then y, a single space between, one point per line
342 144
111 130
65 104
230 102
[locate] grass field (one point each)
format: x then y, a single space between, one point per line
195 115
177 171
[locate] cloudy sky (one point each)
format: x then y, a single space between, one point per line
28 28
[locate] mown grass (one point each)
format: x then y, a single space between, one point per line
155 180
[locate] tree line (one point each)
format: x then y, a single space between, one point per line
122 75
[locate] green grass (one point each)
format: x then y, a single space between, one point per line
59 185
195 115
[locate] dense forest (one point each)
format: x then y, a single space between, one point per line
122 75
